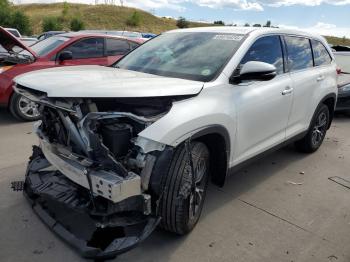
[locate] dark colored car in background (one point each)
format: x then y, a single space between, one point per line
342 56
48 34
61 50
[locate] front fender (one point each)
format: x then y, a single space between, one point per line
212 109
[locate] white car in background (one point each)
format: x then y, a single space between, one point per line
126 147
14 32
28 41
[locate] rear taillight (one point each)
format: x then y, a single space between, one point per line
338 71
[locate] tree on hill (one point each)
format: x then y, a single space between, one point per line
21 22
5 13
268 24
257 25
219 22
246 25
65 10
76 24
52 23
16 19
182 22
134 19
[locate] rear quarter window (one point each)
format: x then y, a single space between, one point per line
299 53
116 47
321 55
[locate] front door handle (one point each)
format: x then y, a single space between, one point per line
287 91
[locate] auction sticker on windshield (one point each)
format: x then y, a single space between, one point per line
228 37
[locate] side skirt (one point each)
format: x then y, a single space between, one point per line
247 162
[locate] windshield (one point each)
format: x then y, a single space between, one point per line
44 47
196 56
14 32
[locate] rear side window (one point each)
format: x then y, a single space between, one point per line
321 55
267 49
133 45
116 47
87 48
299 53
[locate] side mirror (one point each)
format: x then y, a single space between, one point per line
254 70
65 55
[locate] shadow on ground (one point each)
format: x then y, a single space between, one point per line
6 118
236 185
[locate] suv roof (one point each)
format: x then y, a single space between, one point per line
248 30
83 34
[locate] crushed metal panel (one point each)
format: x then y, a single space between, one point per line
105 184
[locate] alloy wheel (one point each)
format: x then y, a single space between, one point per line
319 130
28 108
197 193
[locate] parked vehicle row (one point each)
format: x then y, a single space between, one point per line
343 61
61 50
31 40
131 146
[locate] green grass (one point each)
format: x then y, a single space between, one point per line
99 17
338 41
112 18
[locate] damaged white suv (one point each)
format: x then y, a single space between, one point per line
128 147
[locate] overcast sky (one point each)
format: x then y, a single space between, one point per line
328 17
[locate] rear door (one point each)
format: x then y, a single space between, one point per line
305 79
88 51
117 48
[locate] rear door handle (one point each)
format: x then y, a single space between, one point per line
287 91
320 78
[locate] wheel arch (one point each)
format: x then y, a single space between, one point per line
330 101
217 139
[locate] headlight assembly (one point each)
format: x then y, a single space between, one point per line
5 68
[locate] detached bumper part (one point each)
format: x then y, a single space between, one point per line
104 232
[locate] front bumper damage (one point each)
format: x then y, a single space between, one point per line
93 180
64 206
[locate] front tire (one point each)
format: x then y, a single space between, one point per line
317 131
23 109
180 205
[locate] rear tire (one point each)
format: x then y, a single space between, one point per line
179 206
23 109
316 133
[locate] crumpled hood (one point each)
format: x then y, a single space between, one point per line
99 81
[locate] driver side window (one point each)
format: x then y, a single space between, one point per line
87 48
267 49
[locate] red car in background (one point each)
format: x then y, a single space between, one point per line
67 49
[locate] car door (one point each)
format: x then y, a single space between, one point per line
117 48
262 106
305 78
88 51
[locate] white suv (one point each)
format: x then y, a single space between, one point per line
126 147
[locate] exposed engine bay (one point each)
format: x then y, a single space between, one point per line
92 166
